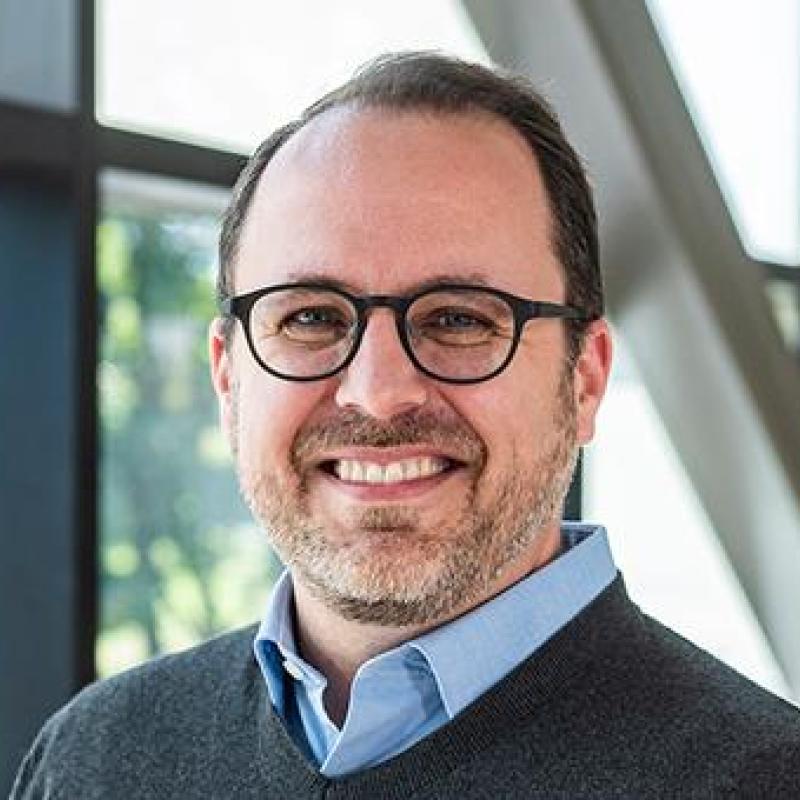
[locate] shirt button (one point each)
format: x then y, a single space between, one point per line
293 669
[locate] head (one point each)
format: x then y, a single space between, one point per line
420 169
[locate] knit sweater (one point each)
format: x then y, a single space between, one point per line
613 706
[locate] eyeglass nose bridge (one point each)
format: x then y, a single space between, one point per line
399 305
367 303
364 305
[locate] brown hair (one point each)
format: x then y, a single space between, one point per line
432 82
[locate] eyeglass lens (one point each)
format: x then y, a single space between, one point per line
303 333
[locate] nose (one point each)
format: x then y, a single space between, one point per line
381 380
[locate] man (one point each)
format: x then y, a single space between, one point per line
411 352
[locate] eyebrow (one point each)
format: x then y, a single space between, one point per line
456 279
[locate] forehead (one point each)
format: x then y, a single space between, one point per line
385 200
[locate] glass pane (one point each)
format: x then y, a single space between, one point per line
38 58
662 540
230 73
738 65
784 299
180 556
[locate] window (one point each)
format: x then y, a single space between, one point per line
738 65
180 556
37 62
229 74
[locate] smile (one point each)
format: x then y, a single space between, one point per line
380 475
407 469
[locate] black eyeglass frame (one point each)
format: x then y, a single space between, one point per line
523 310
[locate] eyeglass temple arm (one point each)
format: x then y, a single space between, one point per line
542 309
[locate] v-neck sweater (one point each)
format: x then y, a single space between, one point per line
614 705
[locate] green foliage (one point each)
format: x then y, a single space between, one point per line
179 560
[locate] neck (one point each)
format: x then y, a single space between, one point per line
337 646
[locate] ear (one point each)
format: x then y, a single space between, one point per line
222 377
590 377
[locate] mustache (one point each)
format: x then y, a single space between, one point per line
352 428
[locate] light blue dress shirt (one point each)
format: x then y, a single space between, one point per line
408 692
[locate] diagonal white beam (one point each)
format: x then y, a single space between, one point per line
689 301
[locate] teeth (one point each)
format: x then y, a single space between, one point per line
413 469
407 470
394 473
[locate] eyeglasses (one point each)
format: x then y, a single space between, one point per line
452 332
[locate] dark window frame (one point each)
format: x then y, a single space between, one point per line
42 148
75 147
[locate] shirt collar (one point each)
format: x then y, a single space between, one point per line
473 652
275 645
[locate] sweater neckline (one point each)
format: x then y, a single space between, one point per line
592 637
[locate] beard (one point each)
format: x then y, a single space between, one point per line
389 568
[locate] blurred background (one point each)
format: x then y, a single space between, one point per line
123 124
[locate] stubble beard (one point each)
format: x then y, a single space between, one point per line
387 569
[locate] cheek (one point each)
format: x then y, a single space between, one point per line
510 413
496 414
271 412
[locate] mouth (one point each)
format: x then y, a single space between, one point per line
380 477
353 470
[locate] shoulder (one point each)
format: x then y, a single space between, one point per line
724 728
639 659
686 674
190 678
646 708
128 722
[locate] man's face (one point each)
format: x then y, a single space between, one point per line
383 203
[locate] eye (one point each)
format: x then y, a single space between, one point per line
457 320
309 317
454 326
315 325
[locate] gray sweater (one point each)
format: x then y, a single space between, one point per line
613 706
